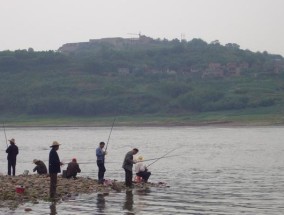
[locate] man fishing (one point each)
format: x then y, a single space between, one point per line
72 169
12 151
54 168
127 166
142 170
40 167
100 153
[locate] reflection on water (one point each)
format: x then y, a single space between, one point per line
128 203
219 170
53 208
101 203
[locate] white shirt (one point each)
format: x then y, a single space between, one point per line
140 167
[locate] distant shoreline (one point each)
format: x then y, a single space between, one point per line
147 124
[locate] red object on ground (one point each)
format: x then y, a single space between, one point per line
20 189
137 179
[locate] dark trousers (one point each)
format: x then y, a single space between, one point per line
102 170
145 175
53 184
74 175
128 178
11 165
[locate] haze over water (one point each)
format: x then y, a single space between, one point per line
219 170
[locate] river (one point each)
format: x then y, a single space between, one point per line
218 170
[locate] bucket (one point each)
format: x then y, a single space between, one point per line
20 189
26 172
137 179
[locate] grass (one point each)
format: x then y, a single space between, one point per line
259 116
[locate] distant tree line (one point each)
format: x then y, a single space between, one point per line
160 77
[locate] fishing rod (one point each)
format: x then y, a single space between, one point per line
110 133
5 134
150 159
161 157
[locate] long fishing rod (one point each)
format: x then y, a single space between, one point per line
5 134
150 159
91 162
110 133
162 157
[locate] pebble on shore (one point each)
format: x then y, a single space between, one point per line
36 187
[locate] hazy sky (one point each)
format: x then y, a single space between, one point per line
257 25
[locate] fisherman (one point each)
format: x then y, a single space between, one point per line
54 168
40 167
100 153
12 151
127 166
141 169
72 169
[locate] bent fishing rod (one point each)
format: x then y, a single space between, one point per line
110 133
161 157
5 134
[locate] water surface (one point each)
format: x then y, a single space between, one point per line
219 170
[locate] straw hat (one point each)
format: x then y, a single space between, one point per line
140 158
55 143
12 140
35 160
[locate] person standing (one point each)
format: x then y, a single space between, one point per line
100 153
72 169
12 151
54 168
40 167
127 166
141 169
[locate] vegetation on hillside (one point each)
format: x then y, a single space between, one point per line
137 77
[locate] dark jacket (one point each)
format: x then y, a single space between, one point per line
128 161
12 151
54 162
40 167
72 169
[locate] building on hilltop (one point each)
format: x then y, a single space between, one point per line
116 42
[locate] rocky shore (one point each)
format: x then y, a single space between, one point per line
36 187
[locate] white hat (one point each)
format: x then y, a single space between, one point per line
55 143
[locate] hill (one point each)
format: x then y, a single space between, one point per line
138 77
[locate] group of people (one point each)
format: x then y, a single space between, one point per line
140 168
54 165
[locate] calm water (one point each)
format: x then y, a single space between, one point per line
220 170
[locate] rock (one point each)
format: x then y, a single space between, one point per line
28 209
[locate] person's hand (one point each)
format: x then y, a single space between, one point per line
105 153
61 163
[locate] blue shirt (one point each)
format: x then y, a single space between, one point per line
100 154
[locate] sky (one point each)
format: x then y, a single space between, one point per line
256 25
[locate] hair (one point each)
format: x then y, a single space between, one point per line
102 143
135 149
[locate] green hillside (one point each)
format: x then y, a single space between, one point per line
142 80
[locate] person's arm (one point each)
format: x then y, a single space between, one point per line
129 159
78 168
8 149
